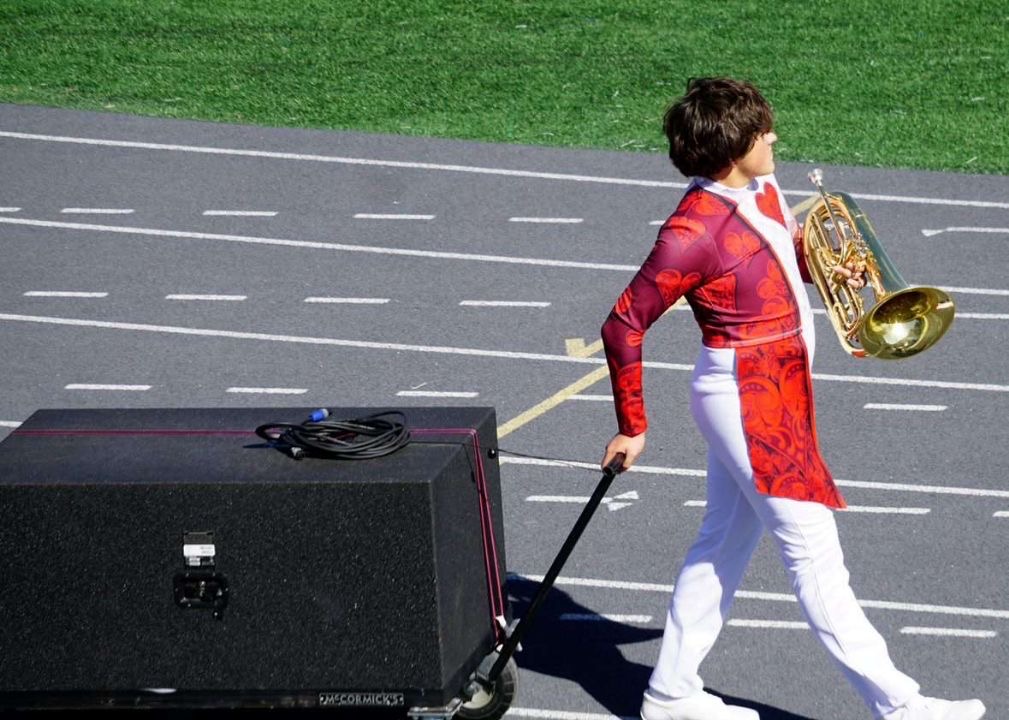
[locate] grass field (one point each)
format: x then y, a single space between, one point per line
864 82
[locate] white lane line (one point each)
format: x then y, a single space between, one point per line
539 714
1001 514
10 209
267 390
10 423
657 222
611 617
224 298
472 352
613 503
975 291
65 294
101 142
348 300
377 250
340 247
503 303
959 314
851 508
772 624
962 229
547 220
97 211
592 398
578 465
101 386
391 216
902 406
686 472
887 510
438 393
948 632
983 316
987 387
241 213
777 597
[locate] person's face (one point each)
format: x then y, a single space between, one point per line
759 160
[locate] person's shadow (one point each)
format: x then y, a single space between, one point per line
588 652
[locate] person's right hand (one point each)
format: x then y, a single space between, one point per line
631 447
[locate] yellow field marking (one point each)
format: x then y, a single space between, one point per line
576 347
553 401
804 205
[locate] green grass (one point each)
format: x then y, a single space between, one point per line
896 83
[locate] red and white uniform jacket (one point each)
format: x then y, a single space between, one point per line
735 254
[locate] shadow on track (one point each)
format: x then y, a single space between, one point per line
588 653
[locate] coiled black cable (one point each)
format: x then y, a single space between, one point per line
371 436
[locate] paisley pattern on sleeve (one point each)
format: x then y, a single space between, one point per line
678 263
776 395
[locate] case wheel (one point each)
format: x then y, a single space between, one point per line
493 703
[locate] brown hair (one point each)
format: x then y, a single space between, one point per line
714 123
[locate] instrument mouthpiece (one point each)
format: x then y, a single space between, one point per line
816 177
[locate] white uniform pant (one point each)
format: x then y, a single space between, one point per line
806 538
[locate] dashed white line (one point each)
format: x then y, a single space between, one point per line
547 220
903 406
504 303
975 291
539 714
772 624
348 300
65 294
600 617
222 298
887 510
1001 514
948 632
452 168
391 216
850 508
438 393
103 386
96 211
10 423
592 398
10 209
267 390
983 316
241 213
962 229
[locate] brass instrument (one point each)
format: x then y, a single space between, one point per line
901 320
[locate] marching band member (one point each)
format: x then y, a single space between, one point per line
733 248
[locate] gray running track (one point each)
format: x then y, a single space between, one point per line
926 552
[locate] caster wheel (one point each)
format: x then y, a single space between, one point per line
493 703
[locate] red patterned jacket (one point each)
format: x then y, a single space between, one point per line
741 297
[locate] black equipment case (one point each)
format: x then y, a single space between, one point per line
173 558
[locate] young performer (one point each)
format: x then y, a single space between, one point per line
732 247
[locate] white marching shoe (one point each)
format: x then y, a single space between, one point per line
702 706
926 708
